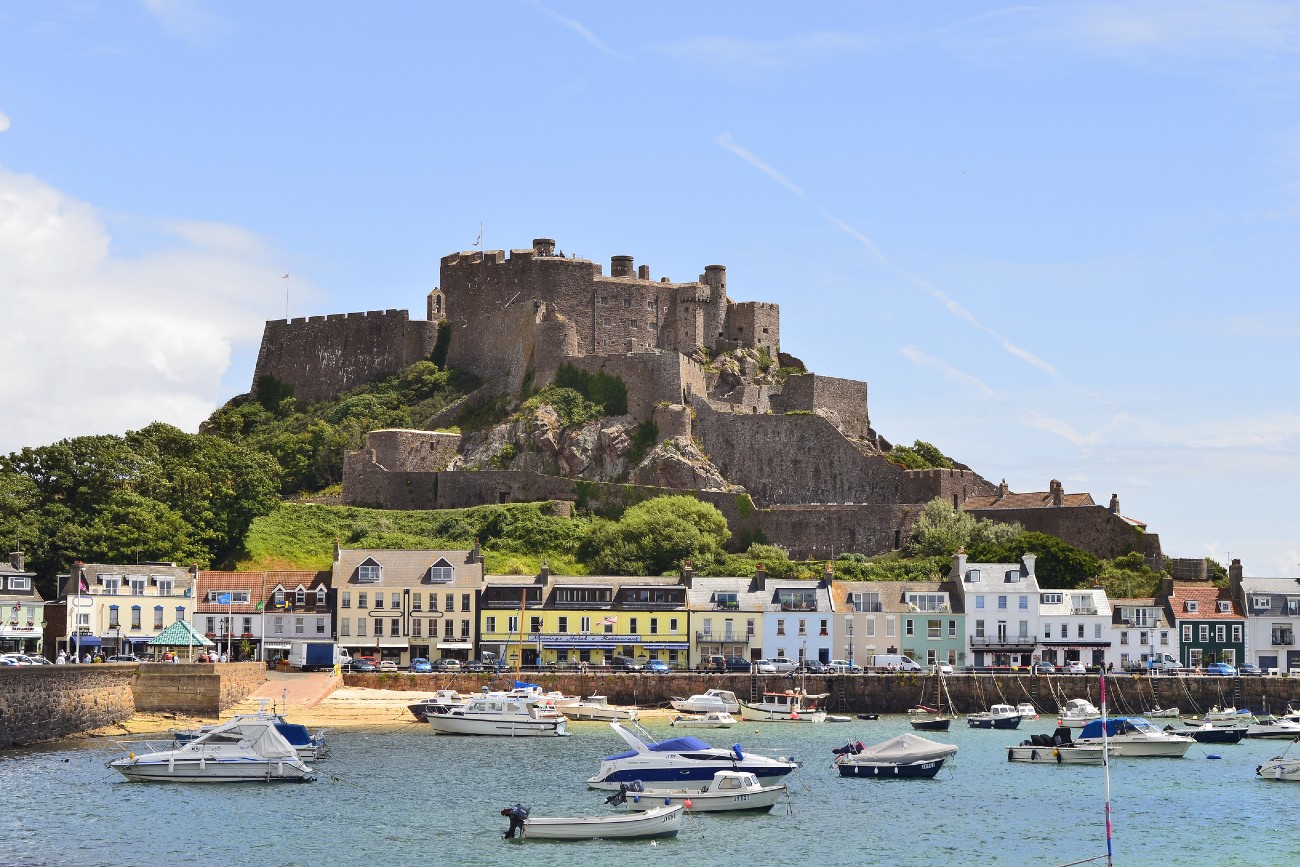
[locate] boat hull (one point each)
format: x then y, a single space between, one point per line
708 721
754 713
890 770
663 821
1170 749
757 801
1077 755
1214 735
654 775
580 713
937 724
1281 770
160 770
1011 722
446 724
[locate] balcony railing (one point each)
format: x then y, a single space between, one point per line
798 606
1083 611
1283 640
723 637
1009 641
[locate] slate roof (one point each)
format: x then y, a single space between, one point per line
1065 608
403 568
1275 590
1032 500
893 594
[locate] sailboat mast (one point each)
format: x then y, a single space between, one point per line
1105 764
523 607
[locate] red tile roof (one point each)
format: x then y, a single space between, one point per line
1207 597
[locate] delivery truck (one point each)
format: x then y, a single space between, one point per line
314 655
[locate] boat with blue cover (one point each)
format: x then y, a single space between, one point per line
680 761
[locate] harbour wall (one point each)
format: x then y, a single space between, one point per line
42 703
888 693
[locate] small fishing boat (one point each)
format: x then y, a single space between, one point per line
710 699
1027 710
1281 768
932 719
1208 734
239 751
598 708
1056 749
727 791
1135 736
498 715
1226 717
901 757
869 716
792 705
1077 713
662 821
679 761
715 719
1162 713
999 716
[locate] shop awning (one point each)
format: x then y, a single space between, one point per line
669 646
84 641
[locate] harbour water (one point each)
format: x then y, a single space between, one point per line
403 796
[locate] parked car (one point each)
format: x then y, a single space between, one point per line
658 666
736 663
123 657
1075 667
1221 668
625 663
816 666
420 665
1044 668
765 666
18 659
360 664
1250 669
783 664
1167 666
446 664
944 668
840 666
388 665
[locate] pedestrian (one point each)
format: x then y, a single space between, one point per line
224 657
62 659
86 659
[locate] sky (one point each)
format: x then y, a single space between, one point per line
1057 240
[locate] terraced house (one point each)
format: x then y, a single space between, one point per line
922 620
726 617
1272 609
1001 601
1210 623
115 609
571 621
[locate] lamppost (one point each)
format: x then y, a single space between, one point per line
1151 657
848 625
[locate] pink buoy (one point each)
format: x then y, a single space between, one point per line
687 803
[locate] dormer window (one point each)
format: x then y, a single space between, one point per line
441 572
111 584
1225 607
300 598
1260 603
1190 606
368 572
1013 576
165 585
972 576
320 595
1050 598
20 582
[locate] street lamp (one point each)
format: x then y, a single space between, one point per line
1151 657
848 624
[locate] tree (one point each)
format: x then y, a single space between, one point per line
1060 565
655 537
940 530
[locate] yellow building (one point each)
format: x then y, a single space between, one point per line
568 621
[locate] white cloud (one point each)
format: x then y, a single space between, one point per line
751 55
578 28
920 359
98 343
187 19
4 121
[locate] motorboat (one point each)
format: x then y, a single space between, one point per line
498 715
443 697
662 821
1273 727
1136 736
680 761
900 757
1208 734
1027 710
792 705
309 745
1226 717
710 699
1280 768
1056 749
714 719
738 791
596 707
998 716
1162 713
1077 713
240 751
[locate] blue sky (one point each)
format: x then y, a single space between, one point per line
1058 240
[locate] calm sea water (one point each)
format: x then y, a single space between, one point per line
406 797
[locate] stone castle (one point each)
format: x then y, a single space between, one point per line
787 455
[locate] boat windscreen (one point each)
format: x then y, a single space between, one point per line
681 744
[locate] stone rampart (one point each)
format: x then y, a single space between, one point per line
320 356
955 486
1095 529
650 377
41 703
846 398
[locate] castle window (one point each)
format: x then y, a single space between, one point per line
650 305
764 330
632 324
652 326
627 302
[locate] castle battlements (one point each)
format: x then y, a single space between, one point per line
403 315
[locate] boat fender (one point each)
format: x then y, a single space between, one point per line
735 748
794 714
668 801
1033 755
1057 754
1213 756
687 803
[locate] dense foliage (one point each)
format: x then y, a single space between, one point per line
940 530
919 456
1059 565
655 537
154 494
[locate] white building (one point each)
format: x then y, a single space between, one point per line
1001 605
1076 627
1272 607
797 618
1141 630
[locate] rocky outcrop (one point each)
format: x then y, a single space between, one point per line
538 442
679 463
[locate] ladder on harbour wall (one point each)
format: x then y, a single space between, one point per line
1236 692
755 691
840 699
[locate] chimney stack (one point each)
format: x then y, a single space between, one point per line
959 565
760 578
1029 560
17 560
337 550
688 573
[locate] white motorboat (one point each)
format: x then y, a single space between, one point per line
727 791
309 746
710 699
714 719
662 821
239 751
680 761
1077 713
903 756
443 697
1136 736
1273 727
792 705
1162 713
1056 749
498 715
1226 717
999 716
1280 768
1027 710
598 708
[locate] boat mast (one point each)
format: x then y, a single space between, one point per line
1105 764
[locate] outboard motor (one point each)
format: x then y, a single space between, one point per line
844 750
619 798
518 813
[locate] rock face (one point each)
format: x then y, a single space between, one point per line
596 451
679 463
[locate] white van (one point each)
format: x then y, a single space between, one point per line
896 661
